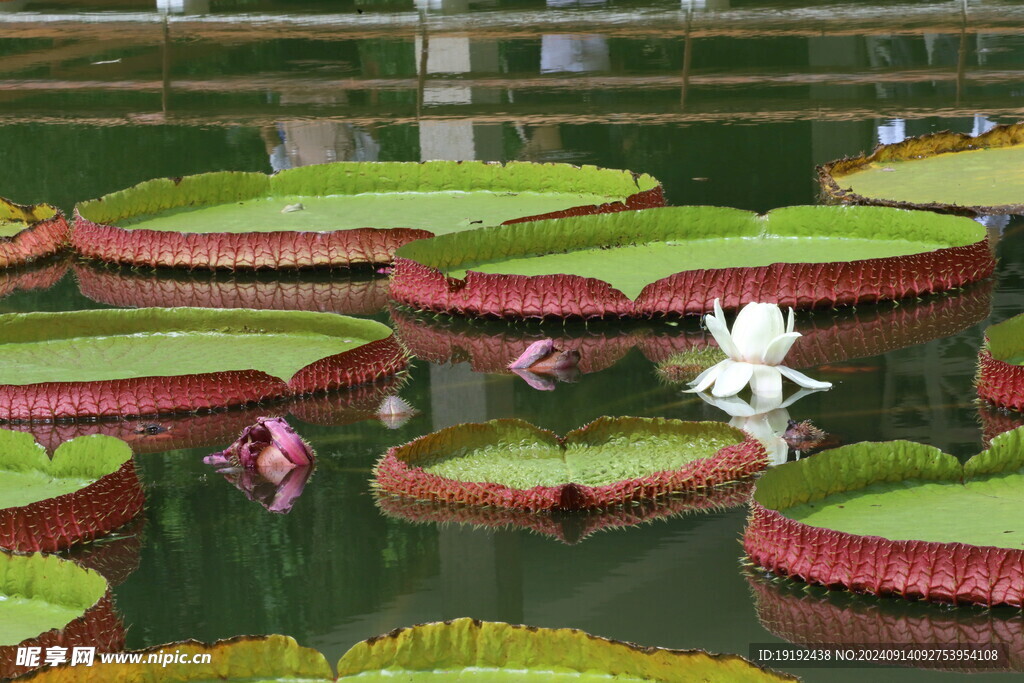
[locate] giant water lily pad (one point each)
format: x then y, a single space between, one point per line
31 232
87 489
466 650
678 260
363 294
948 172
1000 378
46 601
157 360
898 518
511 463
811 615
340 214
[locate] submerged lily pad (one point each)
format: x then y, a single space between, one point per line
466 649
46 601
1000 378
511 463
325 292
573 527
339 214
31 232
678 260
811 615
87 489
157 360
898 517
947 172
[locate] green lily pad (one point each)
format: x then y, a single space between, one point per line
43 592
469 650
932 527
512 463
28 475
943 171
100 345
348 212
679 259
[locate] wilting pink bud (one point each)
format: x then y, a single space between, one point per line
270 444
533 354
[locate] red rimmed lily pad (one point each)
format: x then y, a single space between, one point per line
1000 377
897 518
52 602
30 232
946 172
611 461
827 336
158 434
679 260
811 616
341 214
41 275
569 528
88 489
115 556
154 361
125 288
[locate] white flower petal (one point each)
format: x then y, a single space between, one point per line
707 378
733 405
791 323
779 347
755 327
778 451
797 396
732 379
802 379
765 404
766 381
716 324
779 421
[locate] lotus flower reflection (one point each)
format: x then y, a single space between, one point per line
756 347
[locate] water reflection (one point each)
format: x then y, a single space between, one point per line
812 615
569 528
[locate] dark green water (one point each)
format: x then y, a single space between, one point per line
732 107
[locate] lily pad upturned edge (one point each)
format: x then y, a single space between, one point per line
999 381
95 237
941 572
396 473
830 174
111 500
420 279
451 646
99 625
46 232
168 395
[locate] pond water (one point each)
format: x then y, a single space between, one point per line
732 103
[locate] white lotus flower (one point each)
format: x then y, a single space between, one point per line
758 343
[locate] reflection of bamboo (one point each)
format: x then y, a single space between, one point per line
687 58
165 90
421 75
961 59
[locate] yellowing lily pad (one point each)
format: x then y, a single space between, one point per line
31 232
947 172
898 517
340 214
157 360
